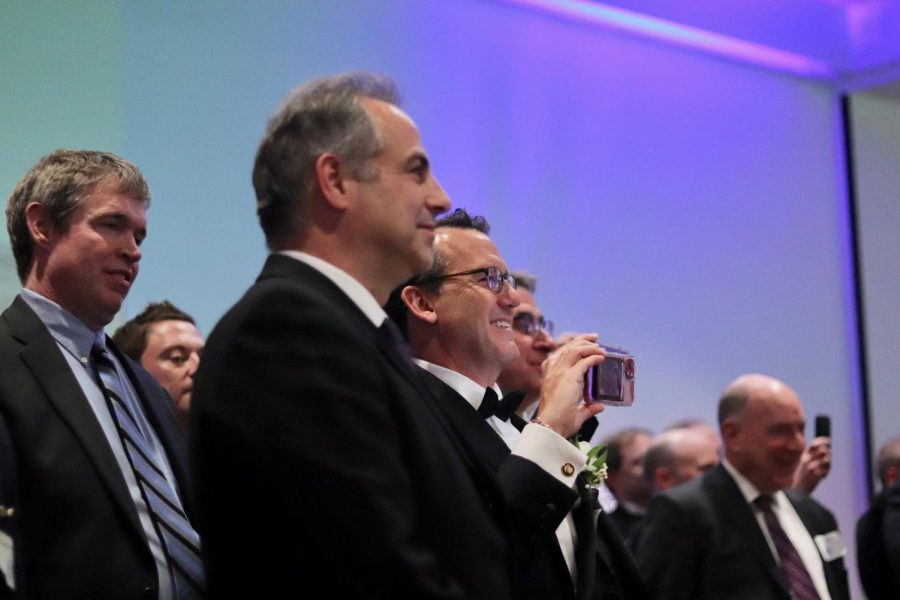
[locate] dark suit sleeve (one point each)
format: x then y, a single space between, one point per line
537 502
295 431
668 552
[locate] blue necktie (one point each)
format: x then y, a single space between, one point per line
181 542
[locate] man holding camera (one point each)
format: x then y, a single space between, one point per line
459 316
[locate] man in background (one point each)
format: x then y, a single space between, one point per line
102 501
168 344
534 339
878 530
736 532
678 455
629 491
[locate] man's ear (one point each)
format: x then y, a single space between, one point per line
39 223
419 304
331 175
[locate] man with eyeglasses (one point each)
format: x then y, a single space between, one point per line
459 317
534 338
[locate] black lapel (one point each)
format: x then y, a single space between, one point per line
586 550
45 360
728 500
480 440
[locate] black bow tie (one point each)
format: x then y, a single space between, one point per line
503 409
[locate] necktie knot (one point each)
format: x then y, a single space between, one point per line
764 503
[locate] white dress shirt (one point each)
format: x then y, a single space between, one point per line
791 524
538 444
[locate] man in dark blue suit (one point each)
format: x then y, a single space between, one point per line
322 471
77 510
878 530
737 532
460 323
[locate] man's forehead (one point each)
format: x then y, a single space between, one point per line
461 246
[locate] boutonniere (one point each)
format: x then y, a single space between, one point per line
595 470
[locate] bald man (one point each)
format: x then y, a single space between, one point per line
679 455
736 532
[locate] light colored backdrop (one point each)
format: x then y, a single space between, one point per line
690 209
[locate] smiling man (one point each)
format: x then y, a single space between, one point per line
737 532
94 479
459 317
165 340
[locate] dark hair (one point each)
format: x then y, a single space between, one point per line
61 182
131 337
321 116
459 219
525 281
614 443
659 454
733 402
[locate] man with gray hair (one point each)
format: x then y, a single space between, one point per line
94 473
737 532
322 470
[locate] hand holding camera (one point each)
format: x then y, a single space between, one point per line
564 401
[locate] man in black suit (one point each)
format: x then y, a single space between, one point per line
83 521
460 325
321 469
735 532
878 531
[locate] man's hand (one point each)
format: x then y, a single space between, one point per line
564 401
814 465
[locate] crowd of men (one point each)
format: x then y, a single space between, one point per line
383 414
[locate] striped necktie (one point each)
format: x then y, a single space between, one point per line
181 542
799 582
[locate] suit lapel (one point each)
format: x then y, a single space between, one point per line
43 357
482 443
728 500
586 551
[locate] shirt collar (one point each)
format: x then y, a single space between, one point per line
748 490
470 390
67 329
356 291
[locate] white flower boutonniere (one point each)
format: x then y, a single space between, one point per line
595 471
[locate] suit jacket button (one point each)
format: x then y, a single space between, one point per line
149 593
568 469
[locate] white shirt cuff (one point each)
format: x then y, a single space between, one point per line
551 452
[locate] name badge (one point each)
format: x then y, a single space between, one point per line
6 559
831 545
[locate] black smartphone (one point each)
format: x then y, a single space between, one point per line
823 426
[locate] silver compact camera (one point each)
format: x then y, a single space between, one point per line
612 381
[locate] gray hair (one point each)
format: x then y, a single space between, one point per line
61 182
321 116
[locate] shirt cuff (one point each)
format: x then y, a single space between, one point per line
551 452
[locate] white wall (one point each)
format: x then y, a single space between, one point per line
687 208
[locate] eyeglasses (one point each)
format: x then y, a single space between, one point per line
529 324
493 278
